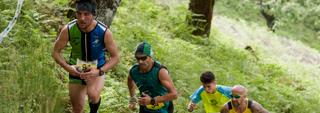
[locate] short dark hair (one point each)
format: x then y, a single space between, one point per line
207 77
86 5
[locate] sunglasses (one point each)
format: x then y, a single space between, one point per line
235 96
142 58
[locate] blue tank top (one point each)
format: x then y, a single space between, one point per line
87 46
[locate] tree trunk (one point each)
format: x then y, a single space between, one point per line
106 10
269 17
201 16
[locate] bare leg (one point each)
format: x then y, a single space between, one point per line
95 86
77 93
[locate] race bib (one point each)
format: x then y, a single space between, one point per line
83 66
155 107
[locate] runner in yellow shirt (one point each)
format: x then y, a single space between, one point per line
212 95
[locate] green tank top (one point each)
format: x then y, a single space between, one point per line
150 84
88 46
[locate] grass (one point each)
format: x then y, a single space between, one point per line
187 56
30 81
294 19
28 76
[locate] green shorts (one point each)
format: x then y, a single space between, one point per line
77 80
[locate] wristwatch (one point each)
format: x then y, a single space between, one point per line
153 101
101 72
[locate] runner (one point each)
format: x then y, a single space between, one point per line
153 80
87 64
241 104
212 95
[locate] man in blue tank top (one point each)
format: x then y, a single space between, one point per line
89 39
153 81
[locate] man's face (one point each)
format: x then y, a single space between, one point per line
84 19
210 87
143 61
237 98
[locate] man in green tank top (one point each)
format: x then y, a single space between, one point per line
153 81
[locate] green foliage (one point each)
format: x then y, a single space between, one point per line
187 56
28 79
6 13
296 19
31 81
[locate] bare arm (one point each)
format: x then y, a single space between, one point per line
257 108
112 48
225 109
131 86
132 91
59 44
166 82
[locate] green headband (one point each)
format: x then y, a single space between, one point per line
144 48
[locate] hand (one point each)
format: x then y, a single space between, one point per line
191 106
145 100
132 106
132 103
73 71
94 72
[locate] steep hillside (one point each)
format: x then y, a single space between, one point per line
294 19
30 81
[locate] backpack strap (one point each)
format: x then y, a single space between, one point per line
229 105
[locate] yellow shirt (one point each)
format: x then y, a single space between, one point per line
248 110
212 102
